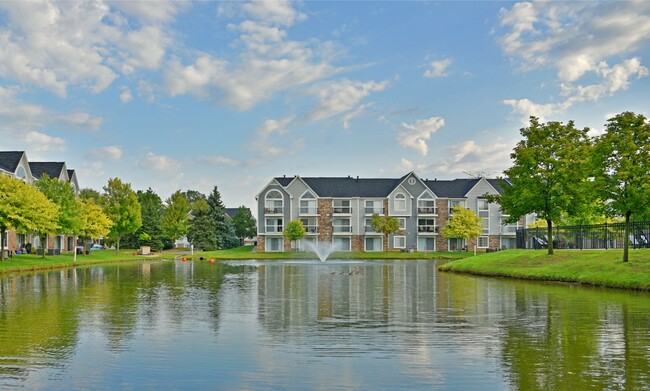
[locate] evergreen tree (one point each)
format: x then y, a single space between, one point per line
202 232
151 210
217 214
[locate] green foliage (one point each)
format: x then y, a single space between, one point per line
121 205
94 222
386 225
62 194
621 162
202 233
176 219
245 224
25 209
151 210
294 230
549 175
90 194
463 224
224 235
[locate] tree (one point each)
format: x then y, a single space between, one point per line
294 230
62 194
218 215
621 161
90 194
121 205
202 233
176 217
549 175
24 208
94 222
387 225
463 224
245 224
151 211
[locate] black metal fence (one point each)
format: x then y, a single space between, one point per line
601 236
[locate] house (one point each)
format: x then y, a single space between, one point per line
339 210
16 165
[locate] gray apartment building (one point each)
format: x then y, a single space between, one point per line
339 210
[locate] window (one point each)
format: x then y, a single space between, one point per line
310 224
368 226
483 242
400 203
427 226
483 209
342 206
374 207
21 174
274 244
308 204
426 244
341 244
399 242
427 206
341 225
273 203
411 181
306 244
273 225
374 244
455 203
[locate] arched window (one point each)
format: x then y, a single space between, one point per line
273 203
400 202
427 204
21 174
308 204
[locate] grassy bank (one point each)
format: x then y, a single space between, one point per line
594 267
246 252
25 262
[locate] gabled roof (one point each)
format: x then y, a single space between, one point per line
352 187
52 169
70 174
231 212
456 188
9 160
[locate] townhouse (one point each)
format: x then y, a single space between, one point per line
339 210
16 165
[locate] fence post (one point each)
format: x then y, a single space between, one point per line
606 238
580 237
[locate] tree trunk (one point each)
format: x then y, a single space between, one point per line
43 245
3 230
385 242
117 244
626 243
549 231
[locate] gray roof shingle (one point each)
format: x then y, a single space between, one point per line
9 160
52 169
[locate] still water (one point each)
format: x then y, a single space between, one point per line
297 325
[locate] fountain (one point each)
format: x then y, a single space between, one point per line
322 249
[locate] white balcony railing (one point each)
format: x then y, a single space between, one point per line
273 210
311 229
428 229
342 210
427 210
308 210
337 229
378 210
273 229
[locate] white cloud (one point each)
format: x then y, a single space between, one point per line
342 96
272 125
438 68
219 160
404 165
416 135
158 162
111 152
81 119
470 156
125 96
353 114
42 142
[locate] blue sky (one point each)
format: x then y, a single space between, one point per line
173 95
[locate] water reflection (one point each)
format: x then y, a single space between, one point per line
307 325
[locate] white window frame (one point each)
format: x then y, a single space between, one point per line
267 199
486 238
341 238
381 243
267 243
400 237
425 238
310 199
402 222
396 203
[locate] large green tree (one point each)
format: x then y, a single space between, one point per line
176 216
622 168
245 224
152 212
62 194
121 205
463 224
218 215
202 232
294 230
386 225
549 175
94 222
25 209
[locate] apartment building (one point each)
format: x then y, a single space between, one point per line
339 210
16 165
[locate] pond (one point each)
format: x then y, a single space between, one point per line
344 325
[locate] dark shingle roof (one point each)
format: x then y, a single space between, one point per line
70 174
52 169
456 188
231 211
9 160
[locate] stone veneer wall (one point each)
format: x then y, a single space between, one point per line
442 244
494 242
325 229
357 243
260 243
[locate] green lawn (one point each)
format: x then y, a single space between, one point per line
594 267
25 262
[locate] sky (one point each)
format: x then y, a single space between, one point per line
176 95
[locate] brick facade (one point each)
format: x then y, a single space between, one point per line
357 243
325 228
260 243
442 244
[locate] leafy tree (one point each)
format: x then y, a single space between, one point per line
218 215
62 194
176 218
94 222
201 233
294 230
90 194
121 205
463 224
25 209
387 225
622 168
193 196
549 175
245 224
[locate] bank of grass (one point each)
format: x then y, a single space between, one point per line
246 252
593 267
28 262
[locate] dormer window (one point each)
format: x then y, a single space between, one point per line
308 204
21 174
273 202
400 202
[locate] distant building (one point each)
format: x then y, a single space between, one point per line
339 210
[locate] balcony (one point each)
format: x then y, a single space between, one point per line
346 210
270 229
311 229
370 211
427 210
308 210
278 210
427 229
508 229
339 229
369 230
